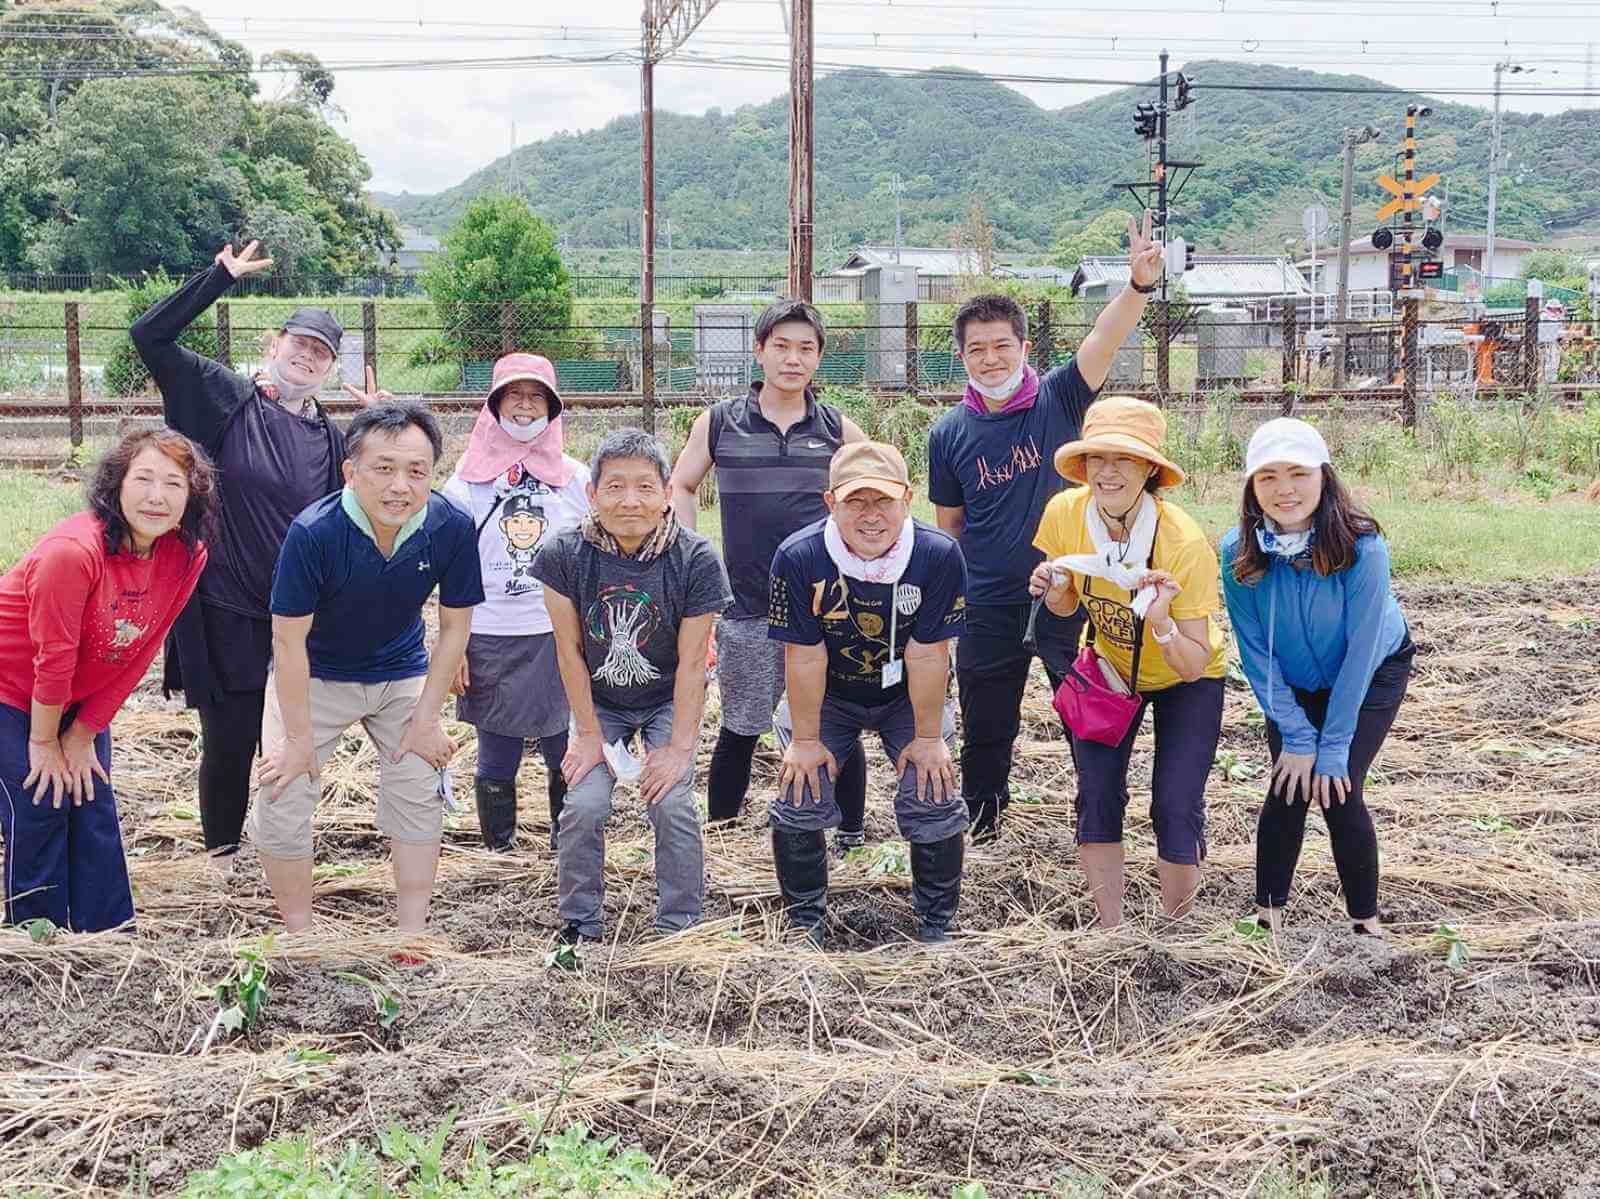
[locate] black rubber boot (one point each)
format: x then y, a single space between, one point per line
984 813
801 859
497 813
936 885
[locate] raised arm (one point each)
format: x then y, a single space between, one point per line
1119 317
198 394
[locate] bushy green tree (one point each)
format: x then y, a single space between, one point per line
1078 240
498 283
125 371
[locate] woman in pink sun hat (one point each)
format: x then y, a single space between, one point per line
521 489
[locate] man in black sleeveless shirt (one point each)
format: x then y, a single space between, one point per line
771 450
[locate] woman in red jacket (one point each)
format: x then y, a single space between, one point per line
81 619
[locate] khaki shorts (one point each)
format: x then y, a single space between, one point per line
409 807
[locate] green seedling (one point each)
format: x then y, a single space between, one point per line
1028 1078
564 957
242 995
1528 753
1492 823
385 1003
421 1156
1232 768
890 858
1250 930
1448 938
970 1190
325 870
304 1055
40 930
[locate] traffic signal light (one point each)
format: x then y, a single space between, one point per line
1184 98
1144 121
1382 239
1188 258
1432 239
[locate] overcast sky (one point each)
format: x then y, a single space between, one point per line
426 129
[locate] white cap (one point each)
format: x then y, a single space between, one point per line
1285 440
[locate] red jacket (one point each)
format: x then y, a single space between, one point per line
80 626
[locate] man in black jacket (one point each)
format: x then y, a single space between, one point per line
277 453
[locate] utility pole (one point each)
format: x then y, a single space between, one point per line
664 26
1352 139
802 228
896 186
1494 164
1161 176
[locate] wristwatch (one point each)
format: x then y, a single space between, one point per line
1169 638
1143 291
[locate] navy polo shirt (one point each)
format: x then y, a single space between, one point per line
367 609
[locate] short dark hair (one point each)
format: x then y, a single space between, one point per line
392 418
1338 523
990 308
105 485
782 311
629 443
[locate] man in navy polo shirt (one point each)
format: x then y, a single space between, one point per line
347 645
990 475
866 603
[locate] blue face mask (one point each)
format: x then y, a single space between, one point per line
1288 546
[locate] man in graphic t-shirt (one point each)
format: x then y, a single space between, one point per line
631 597
989 477
866 602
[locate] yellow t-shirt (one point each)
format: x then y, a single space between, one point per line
1181 550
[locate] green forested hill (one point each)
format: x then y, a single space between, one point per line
722 177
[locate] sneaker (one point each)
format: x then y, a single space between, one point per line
844 842
573 933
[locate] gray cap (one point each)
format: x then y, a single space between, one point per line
318 323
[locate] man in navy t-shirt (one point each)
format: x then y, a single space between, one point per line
990 475
347 646
866 602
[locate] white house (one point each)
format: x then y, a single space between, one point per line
416 250
1369 268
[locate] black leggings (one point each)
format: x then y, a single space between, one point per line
230 732
1282 826
729 780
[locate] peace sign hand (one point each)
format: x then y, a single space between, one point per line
244 262
1144 255
371 395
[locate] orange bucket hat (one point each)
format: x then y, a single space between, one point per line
1120 425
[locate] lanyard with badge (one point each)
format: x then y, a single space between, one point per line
894 668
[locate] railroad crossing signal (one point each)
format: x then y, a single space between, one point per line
1398 191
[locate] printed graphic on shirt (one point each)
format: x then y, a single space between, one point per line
1024 459
1112 620
624 618
126 624
523 523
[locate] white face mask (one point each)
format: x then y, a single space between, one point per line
1003 392
525 432
290 395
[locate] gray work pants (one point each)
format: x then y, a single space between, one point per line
680 850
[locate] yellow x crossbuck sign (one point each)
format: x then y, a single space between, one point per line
1419 187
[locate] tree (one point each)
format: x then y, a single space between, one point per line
1103 235
126 374
500 254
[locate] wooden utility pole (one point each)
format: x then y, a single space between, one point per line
801 164
665 25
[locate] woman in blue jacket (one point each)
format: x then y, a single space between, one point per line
1327 652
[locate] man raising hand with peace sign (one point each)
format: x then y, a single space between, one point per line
990 475
277 453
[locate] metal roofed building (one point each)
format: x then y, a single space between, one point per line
929 260
1215 279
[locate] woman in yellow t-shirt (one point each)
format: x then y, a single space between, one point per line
1118 530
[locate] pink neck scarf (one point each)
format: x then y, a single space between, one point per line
491 451
1022 398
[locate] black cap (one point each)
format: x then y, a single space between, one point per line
520 503
318 323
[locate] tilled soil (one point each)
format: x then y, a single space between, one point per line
1033 1054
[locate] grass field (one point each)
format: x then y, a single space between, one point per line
1459 1055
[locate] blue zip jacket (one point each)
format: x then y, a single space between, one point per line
1297 629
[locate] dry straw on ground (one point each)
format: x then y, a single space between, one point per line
1168 1058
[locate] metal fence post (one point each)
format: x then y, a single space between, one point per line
508 326
1410 363
74 376
1530 346
224 334
1163 349
1291 354
647 366
369 338
1044 337
913 347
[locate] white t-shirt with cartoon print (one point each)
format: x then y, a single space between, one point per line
515 515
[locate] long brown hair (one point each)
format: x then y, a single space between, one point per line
1338 523
105 486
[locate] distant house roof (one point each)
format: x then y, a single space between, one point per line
927 259
1044 274
1214 277
415 241
1452 241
